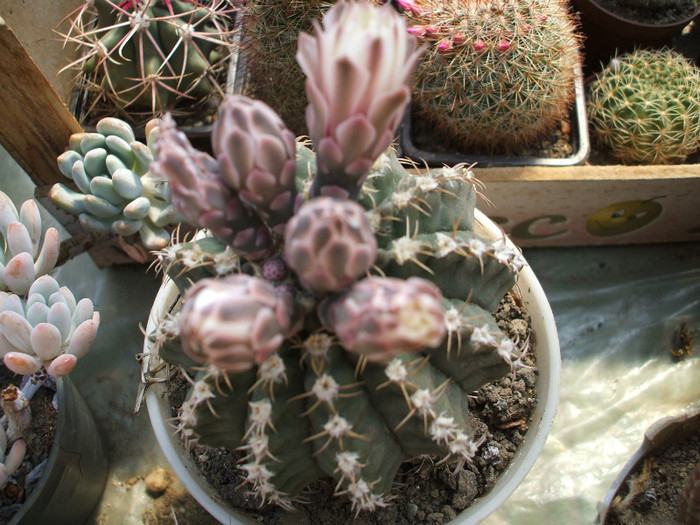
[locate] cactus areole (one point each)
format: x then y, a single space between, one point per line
333 322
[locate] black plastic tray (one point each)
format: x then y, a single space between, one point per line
579 137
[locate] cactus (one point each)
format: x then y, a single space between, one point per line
644 107
147 56
115 191
351 346
269 34
497 74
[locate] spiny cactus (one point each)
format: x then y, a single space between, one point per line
497 74
115 191
269 31
25 255
355 342
644 107
147 56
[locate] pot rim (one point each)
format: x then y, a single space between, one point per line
659 435
549 366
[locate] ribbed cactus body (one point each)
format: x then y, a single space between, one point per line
644 107
394 283
497 75
114 190
149 56
316 408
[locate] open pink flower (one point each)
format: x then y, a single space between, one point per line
357 65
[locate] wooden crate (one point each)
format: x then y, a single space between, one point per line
537 206
594 205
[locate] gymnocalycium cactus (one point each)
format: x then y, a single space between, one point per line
148 56
497 74
115 190
644 107
348 340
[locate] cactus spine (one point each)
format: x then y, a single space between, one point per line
644 107
497 74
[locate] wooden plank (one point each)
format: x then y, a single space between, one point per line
594 205
36 124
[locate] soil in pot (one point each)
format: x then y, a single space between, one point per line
44 417
424 492
651 492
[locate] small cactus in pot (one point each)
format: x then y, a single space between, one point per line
323 325
497 75
143 57
643 107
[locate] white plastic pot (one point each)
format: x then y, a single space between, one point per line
548 364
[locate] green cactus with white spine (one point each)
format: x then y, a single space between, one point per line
114 190
147 56
644 107
340 344
497 75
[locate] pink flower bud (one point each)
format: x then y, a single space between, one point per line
445 45
479 45
357 64
459 38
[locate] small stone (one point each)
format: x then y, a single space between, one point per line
435 517
411 510
158 481
467 490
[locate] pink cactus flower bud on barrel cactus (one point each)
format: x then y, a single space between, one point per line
236 322
329 244
257 156
380 317
357 66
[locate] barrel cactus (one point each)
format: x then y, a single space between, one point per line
147 56
644 107
114 190
497 75
349 345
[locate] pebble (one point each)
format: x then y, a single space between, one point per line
157 481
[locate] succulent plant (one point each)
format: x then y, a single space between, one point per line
43 329
350 345
13 431
147 56
25 255
497 75
644 107
114 190
47 330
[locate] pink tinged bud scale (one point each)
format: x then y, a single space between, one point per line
329 244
